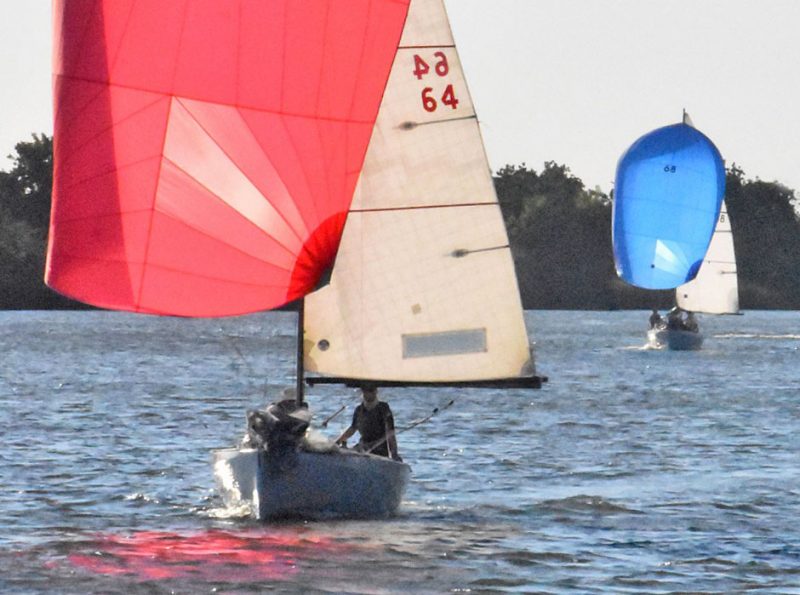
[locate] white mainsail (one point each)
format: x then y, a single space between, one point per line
424 287
715 289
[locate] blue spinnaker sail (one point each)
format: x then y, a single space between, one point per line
667 197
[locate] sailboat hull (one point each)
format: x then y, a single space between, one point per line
340 484
674 339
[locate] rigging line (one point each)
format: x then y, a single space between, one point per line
420 421
426 47
412 125
245 361
412 425
330 418
342 408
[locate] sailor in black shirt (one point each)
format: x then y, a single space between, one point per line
375 424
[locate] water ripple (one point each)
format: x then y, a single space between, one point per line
631 471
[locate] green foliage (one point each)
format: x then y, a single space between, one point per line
766 234
24 217
26 188
560 234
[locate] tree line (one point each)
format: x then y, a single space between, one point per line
24 219
560 235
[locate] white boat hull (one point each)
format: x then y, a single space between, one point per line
339 484
674 339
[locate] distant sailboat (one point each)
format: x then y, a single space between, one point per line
668 196
715 289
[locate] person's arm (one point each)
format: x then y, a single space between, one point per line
342 440
392 441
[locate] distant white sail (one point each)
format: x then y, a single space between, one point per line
424 287
715 290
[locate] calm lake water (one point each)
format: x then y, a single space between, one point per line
632 471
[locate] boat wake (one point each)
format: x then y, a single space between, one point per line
792 337
242 510
584 504
645 347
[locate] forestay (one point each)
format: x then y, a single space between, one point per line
424 287
715 290
206 151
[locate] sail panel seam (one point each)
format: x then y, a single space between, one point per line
116 50
326 170
279 175
220 199
138 301
426 47
278 112
232 160
160 165
169 269
77 148
424 207
79 112
185 224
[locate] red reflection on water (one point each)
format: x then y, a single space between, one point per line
210 555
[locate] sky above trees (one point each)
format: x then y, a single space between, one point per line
574 81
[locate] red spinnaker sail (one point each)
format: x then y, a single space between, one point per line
206 151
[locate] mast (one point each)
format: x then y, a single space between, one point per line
299 355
